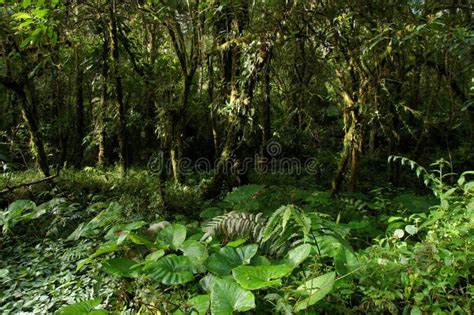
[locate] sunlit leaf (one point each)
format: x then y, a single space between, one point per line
316 289
228 297
257 277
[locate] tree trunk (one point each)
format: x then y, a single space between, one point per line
351 146
177 125
101 158
122 120
266 114
79 116
61 123
30 114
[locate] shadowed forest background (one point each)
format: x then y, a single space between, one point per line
148 153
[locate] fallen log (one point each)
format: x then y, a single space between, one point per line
37 181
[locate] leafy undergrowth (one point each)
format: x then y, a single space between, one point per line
41 278
101 243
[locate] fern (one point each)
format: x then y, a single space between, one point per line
286 228
79 251
435 183
235 224
101 222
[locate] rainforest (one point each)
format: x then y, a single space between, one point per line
236 157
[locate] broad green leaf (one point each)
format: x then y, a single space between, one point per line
194 249
257 277
411 229
21 16
237 242
170 269
298 254
121 267
21 204
103 249
140 240
4 273
25 3
197 253
83 308
40 13
207 282
101 221
200 304
316 289
154 256
259 260
172 235
415 311
228 297
228 258
345 260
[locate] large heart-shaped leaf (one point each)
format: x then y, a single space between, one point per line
121 267
207 282
228 258
82 308
316 289
172 235
197 253
228 297
199 304
257 277
171 269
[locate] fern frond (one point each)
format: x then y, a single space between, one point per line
429 180
235 224
80 251
286 228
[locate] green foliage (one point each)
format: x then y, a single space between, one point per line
257 277
110 214
243 198
228 297
235 224
222 262
41 277
83 308
314 290
297 259
170 269
171 236
20 210
431 275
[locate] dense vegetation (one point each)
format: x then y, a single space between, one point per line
222 156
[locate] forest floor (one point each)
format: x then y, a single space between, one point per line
394 250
